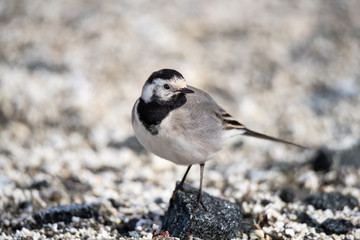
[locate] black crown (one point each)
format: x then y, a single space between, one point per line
165 74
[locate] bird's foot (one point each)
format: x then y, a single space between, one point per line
199 202
181 188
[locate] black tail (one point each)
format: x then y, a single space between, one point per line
263 136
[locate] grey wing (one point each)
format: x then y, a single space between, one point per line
201 122
231 127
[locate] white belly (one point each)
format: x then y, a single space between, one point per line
177 148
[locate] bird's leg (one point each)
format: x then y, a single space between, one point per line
180 187
184 177
199 197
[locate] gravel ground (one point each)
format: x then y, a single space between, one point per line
71 71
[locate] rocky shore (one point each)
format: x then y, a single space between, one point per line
70 72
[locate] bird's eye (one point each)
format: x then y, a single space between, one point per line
166 86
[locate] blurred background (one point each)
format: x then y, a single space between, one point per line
70 72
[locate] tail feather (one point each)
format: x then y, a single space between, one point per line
251 133
233 128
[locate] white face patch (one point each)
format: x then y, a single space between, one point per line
156 88
147 92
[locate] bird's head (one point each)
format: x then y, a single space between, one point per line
163 86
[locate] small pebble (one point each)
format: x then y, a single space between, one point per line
303 217
336 226
259 233
332 200
287 195
322 160
289 232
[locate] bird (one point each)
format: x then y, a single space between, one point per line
184 124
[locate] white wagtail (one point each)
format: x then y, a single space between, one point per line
183 124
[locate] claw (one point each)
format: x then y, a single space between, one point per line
196 202
199 202
181 188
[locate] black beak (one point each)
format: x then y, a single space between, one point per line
185 90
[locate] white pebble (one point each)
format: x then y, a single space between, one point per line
290 232
259 233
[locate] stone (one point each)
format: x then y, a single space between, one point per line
259 233
222 220
322 160
336 226
287 194
39 184
64 213
303 217
332 200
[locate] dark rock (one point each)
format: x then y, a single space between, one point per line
264 202
222 220
114 203
332 200
322 160
336 226
24 205
303 217
39 184
125 227
64 213
158 200
287 195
